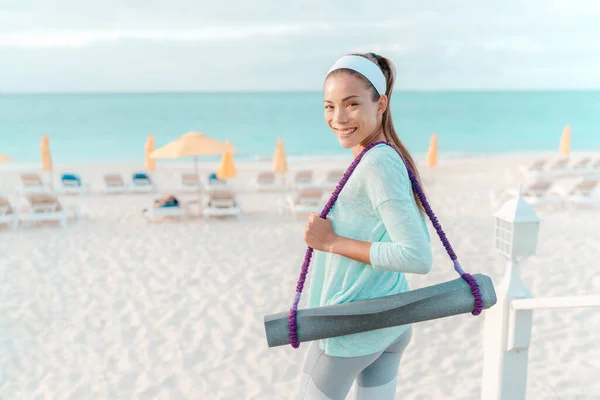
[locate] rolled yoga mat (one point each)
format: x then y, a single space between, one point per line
437 301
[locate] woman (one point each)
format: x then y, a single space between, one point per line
374 234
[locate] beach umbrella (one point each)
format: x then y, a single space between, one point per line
432 153
4 159
46 156
565 141
279 158
227 168
149 148
192 144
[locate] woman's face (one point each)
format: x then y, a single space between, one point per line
350 111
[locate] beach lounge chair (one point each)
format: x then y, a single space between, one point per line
581 191
167 210
46 207
303 179
8 216
32 183
535 167
72 184
213 183
190 182
305 201
266 181
114 183
141 183
537 192
332 178
222 203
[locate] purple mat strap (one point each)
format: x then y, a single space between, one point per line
419 191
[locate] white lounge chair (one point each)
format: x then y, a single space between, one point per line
536 193
190 182
141 183
154 213
221 203
582 191
305 201
8 215
303 179
32 183
114 183
332 178
266 181
72 184
46 207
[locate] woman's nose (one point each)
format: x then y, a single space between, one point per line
340 115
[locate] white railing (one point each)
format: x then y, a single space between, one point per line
556 302
507 335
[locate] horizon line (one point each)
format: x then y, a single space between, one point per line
267 91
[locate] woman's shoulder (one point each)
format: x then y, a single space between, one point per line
382 156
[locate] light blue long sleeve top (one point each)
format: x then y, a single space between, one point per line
376 205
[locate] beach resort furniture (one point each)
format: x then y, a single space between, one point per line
190 182
221 203
535 167
332 178
305 201
581 191
46 207
303 179
72 184
166 210
31 183
214 183
8 216
141 183
535 192
114 183
266 181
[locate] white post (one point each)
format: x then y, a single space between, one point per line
506 337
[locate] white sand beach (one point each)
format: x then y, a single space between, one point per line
115 307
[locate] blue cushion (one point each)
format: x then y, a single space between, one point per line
71 177
167 205
140 175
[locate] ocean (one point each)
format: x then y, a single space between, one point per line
105 128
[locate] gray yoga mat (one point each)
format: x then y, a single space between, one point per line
437 301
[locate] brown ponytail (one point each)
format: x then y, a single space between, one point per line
387 67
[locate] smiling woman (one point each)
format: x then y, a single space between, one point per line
375 233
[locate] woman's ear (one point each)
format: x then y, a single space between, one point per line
382 104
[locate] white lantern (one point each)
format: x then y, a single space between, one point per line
517 229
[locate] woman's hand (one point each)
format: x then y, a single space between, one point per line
319 233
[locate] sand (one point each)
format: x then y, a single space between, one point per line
116 307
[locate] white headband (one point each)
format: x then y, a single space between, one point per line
365 67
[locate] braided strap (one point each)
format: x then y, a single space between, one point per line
478 302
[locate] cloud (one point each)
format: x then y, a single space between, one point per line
266 45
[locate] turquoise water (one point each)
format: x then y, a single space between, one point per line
114 127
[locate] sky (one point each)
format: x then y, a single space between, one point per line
268 45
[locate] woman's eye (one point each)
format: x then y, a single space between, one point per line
328 107
353 104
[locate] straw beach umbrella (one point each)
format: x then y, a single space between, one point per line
227 168
46 156
192 144
565 141
149 148
432 153
4 159
280 165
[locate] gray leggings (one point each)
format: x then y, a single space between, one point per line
330 378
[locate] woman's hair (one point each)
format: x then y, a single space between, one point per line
387 67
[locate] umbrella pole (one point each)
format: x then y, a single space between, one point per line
198 182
